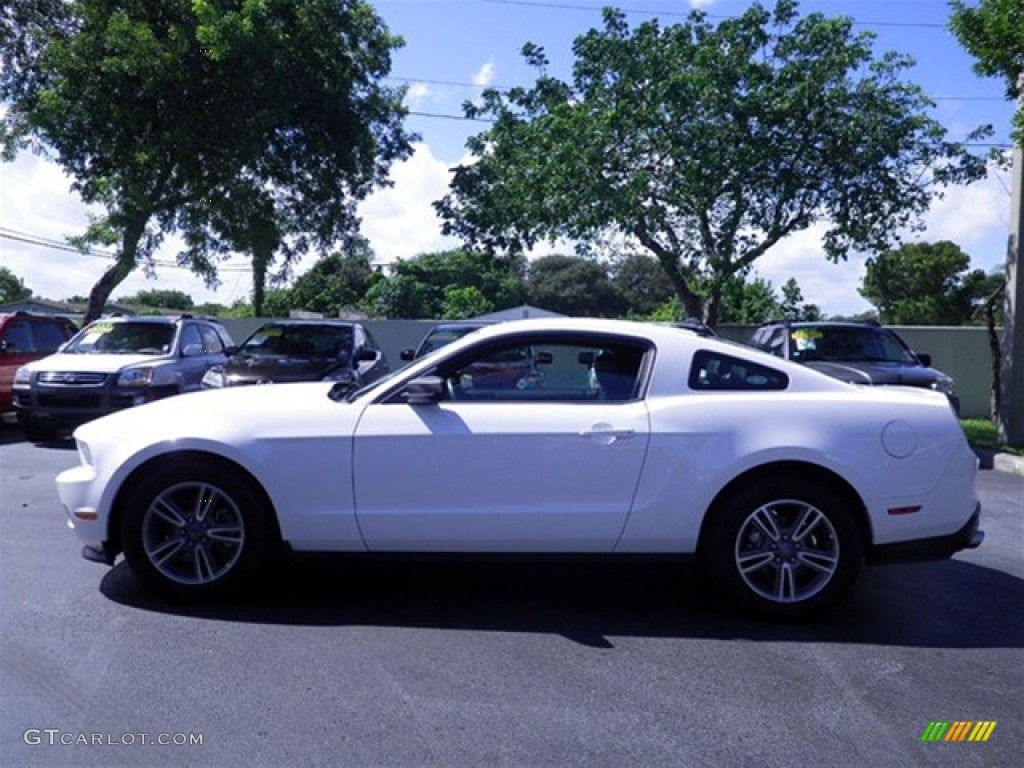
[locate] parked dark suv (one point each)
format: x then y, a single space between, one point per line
115 363
24 338
302 350
860 353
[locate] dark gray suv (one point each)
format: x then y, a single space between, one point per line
115 363
860 353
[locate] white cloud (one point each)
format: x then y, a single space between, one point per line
699 4
419 94
485 75
400 221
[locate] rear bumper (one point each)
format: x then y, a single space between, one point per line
937 548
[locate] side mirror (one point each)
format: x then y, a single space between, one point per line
424 391
366 355
408 354
925 358
229 351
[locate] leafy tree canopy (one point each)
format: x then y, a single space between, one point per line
161 299
641 284
573 286
432 285
244 125
706 145
993 32
926 284
12 287
334 282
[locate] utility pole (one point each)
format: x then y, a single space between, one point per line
1011 413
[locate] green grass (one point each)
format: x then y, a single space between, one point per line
981 433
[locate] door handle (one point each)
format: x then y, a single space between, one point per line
606 434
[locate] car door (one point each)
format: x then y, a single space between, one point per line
200 350
546 463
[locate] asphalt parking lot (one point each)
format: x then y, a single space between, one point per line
512 663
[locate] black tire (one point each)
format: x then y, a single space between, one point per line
36 432
784 548
194 531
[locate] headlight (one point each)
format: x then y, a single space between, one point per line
135 377
23 377
213 379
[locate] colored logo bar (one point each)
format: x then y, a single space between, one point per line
958 730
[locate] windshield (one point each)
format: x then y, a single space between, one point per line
840 344
123 338
281 340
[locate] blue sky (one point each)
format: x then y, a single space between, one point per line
452 49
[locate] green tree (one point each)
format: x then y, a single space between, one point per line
462 303
925 284
793 306
573 285
748 302
641 284
421 287
993 32
254 126
707 145
402 296
334 282
161 299
12 287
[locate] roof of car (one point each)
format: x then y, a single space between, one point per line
159 319
831 323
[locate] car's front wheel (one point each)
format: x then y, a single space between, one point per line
194 531
784 548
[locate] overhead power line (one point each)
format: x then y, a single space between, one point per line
684 14
56 245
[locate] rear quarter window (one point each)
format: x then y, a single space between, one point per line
714 371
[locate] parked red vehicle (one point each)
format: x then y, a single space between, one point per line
24 338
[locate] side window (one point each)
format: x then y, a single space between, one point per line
550 371
19 337
211 341
48 337
714 371
189 336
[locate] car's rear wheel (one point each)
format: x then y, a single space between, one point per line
194 531
784 548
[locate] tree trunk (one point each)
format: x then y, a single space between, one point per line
260 260
123 267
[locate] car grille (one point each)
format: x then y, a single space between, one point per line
72 378
68 401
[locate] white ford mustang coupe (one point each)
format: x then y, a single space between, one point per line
539 436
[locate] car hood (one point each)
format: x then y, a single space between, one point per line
879 373
234 416
242 369
89 363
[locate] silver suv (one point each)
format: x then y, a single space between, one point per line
115 363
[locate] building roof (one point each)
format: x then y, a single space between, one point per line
516 313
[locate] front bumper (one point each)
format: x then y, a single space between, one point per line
937 548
